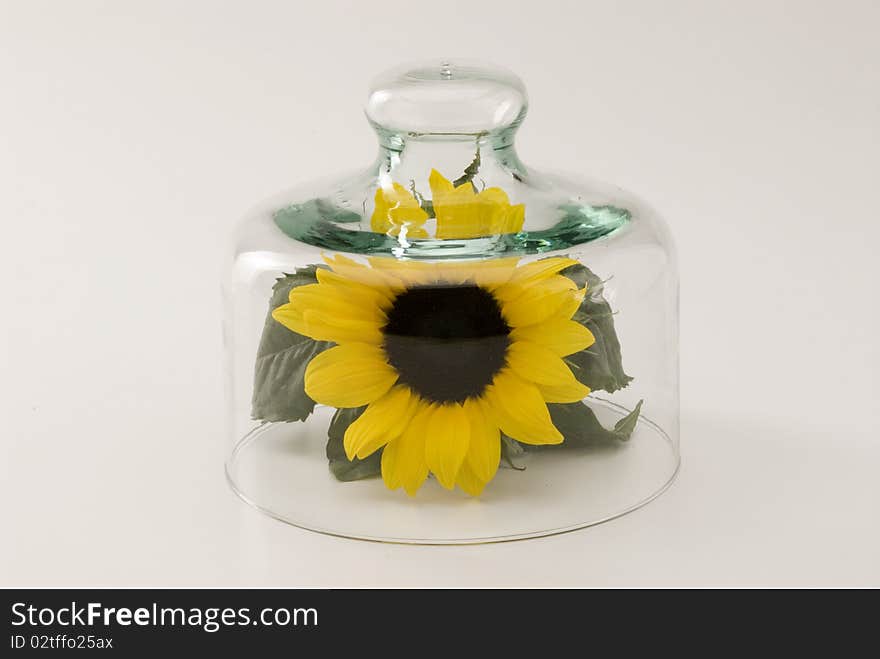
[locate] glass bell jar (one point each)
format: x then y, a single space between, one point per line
449 346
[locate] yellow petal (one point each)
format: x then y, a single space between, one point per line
323 321
440 186
349 375
456 210
493 207
447 435
326 327
403 460
494 273
571 304
414 232
536 285
458 224
292 318
536 363
358 272
488 274
541 269
380 296
484 449
561 335
513 222
406 273
519 409
493 197
462 212
527 306
382 422
455 274
346 266
469 482
396 210
335 300
571 392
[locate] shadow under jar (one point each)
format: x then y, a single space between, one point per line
448 346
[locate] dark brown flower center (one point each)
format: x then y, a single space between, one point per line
446 342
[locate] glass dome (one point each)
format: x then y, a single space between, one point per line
449 346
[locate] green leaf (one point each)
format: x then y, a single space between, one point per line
470 171
580 426
331 213
510 449
322 209
340 466
426 205
600 366
599 219
282 357
578 225
316 222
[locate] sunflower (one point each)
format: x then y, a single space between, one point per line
461 211
445 357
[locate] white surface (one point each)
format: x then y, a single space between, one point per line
279 468
132 135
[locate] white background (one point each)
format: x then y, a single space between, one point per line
133 134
